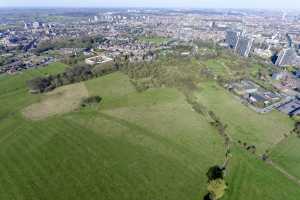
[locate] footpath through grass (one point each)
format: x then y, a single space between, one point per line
286 155
261 130
148 145
250 179
106 152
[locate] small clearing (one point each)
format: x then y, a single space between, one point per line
59 101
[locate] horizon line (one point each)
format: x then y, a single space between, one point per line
147 7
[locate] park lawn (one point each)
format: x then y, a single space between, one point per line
53 68
255 69
249 178
218 67
95 154
59 158
13 83
121 87
286 155
244 124
148 145
123 94
154 39
164 111
229 67
262 185
14 92
178 174
59 101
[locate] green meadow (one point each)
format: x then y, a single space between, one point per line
133 145
250 178
286 155
154 39
262 130
122 149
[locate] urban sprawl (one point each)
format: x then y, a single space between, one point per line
40 37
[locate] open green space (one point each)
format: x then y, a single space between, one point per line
218 67
154 39
286 155
14 94
106 152
249 178
262 130
230 67
133 145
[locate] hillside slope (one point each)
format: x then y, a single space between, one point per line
134 145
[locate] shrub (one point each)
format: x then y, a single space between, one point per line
207 197
297 128
217 188
38 85
89 101
214 173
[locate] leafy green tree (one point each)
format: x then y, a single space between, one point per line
217 188
215 172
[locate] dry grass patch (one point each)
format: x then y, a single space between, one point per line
59 101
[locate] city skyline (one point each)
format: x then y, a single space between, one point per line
235 4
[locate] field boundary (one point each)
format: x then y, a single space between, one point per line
284 172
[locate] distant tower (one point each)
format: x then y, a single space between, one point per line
287 57
232 38
289 39
243 46
35 25
95 18
213 25
283 16
25 26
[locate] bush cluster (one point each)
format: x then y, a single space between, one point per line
216 183
89 101
71 75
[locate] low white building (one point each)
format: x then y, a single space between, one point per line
97 60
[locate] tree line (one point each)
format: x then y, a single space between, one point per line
78 73
83 42
90 101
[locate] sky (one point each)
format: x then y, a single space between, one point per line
269 4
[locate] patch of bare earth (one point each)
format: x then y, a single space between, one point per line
59 101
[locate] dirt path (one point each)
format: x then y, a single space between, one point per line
284 172
269 162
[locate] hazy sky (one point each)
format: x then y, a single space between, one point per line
271 4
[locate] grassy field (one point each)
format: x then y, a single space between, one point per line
250 179
59 101
103 152
154 39
261 130
218 67
13 90
12 83
286 154
147 145
229 67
